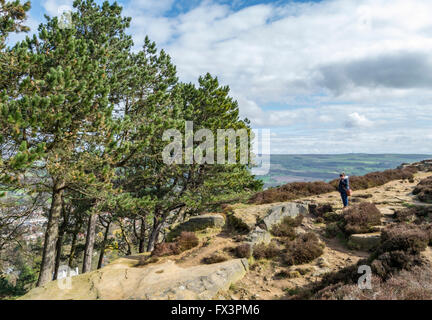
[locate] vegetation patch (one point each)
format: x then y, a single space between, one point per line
332 229
398 251
417 214
186 241
215 258
296 190
320 211
243 251
424 190
379 178
332 217
291 191
287 227
263 251
303 250
407 285
360 218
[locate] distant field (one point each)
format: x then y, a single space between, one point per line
290 168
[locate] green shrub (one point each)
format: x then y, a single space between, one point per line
262 251
404 237
417 214
286 227
360 218
424 190
407 285
303 250
398 252
282 230
319 220
399 249
243 251
319 211
332 217
332 230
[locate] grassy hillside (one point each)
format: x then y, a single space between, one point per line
290 168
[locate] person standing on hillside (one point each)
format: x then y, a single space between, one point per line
344 188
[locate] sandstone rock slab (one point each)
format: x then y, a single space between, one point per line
198 223
365 241
278 213
164 281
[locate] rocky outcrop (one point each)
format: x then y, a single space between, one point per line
258 236
425 165
274 215
278 213
365 241
163 281
198 223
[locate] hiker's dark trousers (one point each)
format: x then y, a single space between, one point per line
344 196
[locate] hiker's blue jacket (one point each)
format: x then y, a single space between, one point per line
343 185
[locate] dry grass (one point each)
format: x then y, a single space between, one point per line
215 258
185 241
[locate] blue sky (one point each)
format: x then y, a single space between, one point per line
328 76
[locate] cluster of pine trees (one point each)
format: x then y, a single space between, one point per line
82 116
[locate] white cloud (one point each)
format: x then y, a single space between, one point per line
356 120
54 7
333 68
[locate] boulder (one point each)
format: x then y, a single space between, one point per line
258 236
247 217
365 241
198 223
276 214
164 281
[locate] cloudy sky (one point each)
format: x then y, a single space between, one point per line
330 76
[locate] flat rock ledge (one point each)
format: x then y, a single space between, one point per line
164 281
198 223
367 241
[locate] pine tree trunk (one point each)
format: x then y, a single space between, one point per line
157 225
89 245
102 250
51 234
142 237
73 249
59 246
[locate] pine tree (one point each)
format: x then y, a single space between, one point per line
59 120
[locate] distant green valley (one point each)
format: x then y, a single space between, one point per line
290 168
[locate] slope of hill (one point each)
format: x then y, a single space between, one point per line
289 256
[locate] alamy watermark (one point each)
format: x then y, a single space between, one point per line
64 277
253 149
365 281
